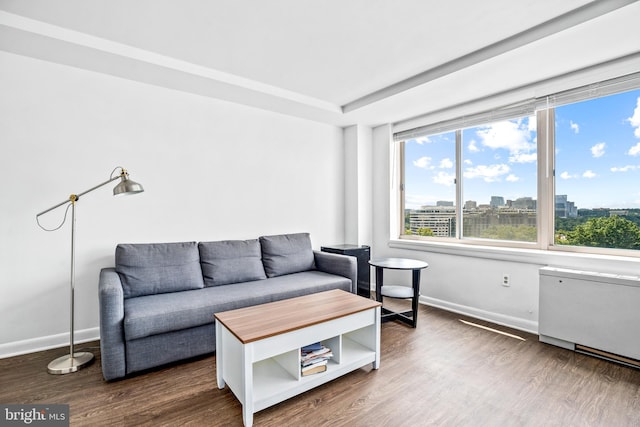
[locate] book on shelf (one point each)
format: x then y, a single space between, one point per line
310 367
314 358
315 369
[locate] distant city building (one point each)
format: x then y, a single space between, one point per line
441 220
618 212
565 208
524 203
496 201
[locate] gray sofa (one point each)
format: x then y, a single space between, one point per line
157 304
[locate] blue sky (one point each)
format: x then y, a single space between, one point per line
597 158
598 151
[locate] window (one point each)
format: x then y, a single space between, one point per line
499 180
498 185
484 179
430 189
597 198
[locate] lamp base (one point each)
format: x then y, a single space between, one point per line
67 364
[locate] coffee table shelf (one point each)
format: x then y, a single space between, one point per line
266 371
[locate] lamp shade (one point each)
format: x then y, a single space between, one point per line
127 186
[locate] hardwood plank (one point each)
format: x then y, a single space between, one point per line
443 373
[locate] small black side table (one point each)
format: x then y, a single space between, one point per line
400 292
362 254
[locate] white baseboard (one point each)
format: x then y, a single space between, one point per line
33 345
499 319
61 340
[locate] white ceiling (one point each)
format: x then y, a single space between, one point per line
336 61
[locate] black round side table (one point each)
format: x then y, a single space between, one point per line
399 292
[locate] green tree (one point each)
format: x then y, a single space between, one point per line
425 232
521 233
606 232
561 237
421 232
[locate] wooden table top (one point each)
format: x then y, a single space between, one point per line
265 320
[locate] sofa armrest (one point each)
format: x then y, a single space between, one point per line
111 302
341 265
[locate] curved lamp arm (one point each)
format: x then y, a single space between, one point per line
126 186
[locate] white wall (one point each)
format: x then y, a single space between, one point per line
211 170
357 186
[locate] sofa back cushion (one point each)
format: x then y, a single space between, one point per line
231 261
286 254
155 268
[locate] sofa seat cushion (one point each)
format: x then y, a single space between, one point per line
231 261
156 314
304 283
155 268
287 254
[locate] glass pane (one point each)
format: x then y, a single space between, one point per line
597 200
500 180
430 185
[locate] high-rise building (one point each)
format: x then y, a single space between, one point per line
496 201
565 208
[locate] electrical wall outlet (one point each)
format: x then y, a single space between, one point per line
506 280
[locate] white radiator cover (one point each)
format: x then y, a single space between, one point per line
596 310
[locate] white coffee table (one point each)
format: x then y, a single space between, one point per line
258 347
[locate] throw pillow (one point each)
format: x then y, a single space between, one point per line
231 261
155 268
287 253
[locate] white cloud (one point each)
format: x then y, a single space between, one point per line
511 135
491 173
512 178
566 175
626 168
523 158
598 149
635 150
444 178
421 140
423 163
574 127
473 147
467 162
589 174
446 164
635 120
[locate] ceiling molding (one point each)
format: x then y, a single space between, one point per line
35 38
570 19
530 91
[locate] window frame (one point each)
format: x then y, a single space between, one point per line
546 180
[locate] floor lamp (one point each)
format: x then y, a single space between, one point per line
78 360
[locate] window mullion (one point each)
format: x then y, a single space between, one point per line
459 193
546 193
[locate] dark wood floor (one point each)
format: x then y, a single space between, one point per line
444 373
